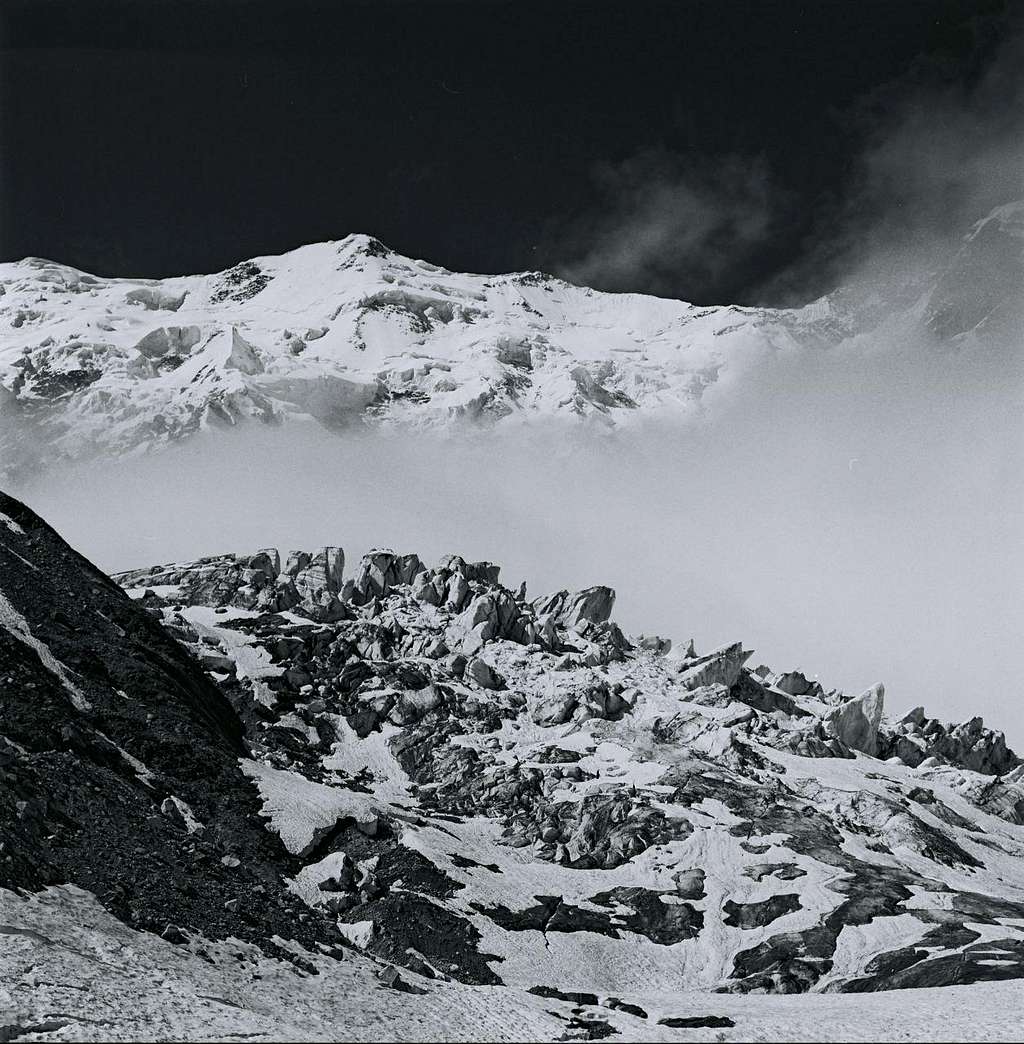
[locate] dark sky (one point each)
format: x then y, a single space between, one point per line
157 138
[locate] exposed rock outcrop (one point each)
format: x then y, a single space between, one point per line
721 667
970 745
389 756
855 722
119 757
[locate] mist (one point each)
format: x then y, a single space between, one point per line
937 153
933 151
671 221
844 512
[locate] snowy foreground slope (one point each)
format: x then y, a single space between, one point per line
350 334
73 972
274 798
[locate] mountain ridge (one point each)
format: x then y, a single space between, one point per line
349 334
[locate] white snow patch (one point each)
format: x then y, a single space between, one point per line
9 522
141 771
359 933
18 626
300 810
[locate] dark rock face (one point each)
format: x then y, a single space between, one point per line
551 914
697 1022
409 922
757 915
104 718
795 684
644 912
636 910
910 968
969 745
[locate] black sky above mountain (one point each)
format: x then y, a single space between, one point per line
719 137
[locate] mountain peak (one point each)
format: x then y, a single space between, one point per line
349 333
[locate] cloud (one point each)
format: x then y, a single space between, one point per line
939 152
931 153
675 225
854 512
750 524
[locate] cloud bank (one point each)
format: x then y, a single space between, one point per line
853 512
938 150
937 157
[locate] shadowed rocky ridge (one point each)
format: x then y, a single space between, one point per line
119 758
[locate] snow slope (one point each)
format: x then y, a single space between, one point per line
73 972
345 333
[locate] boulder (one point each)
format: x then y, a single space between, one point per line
593 605
297 562
689 883
482 572
767 699
379 572
411 706
496 614
214 661
328 608
571 610
457 592
425 590
546 632
318 574
483 674
721 667
793 683
855 722
554 708
180 812
267 560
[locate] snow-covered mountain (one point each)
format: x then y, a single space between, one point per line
350 333
442 807
342 333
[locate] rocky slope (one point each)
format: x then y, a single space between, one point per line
350 334
447 785
593 812
119 757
